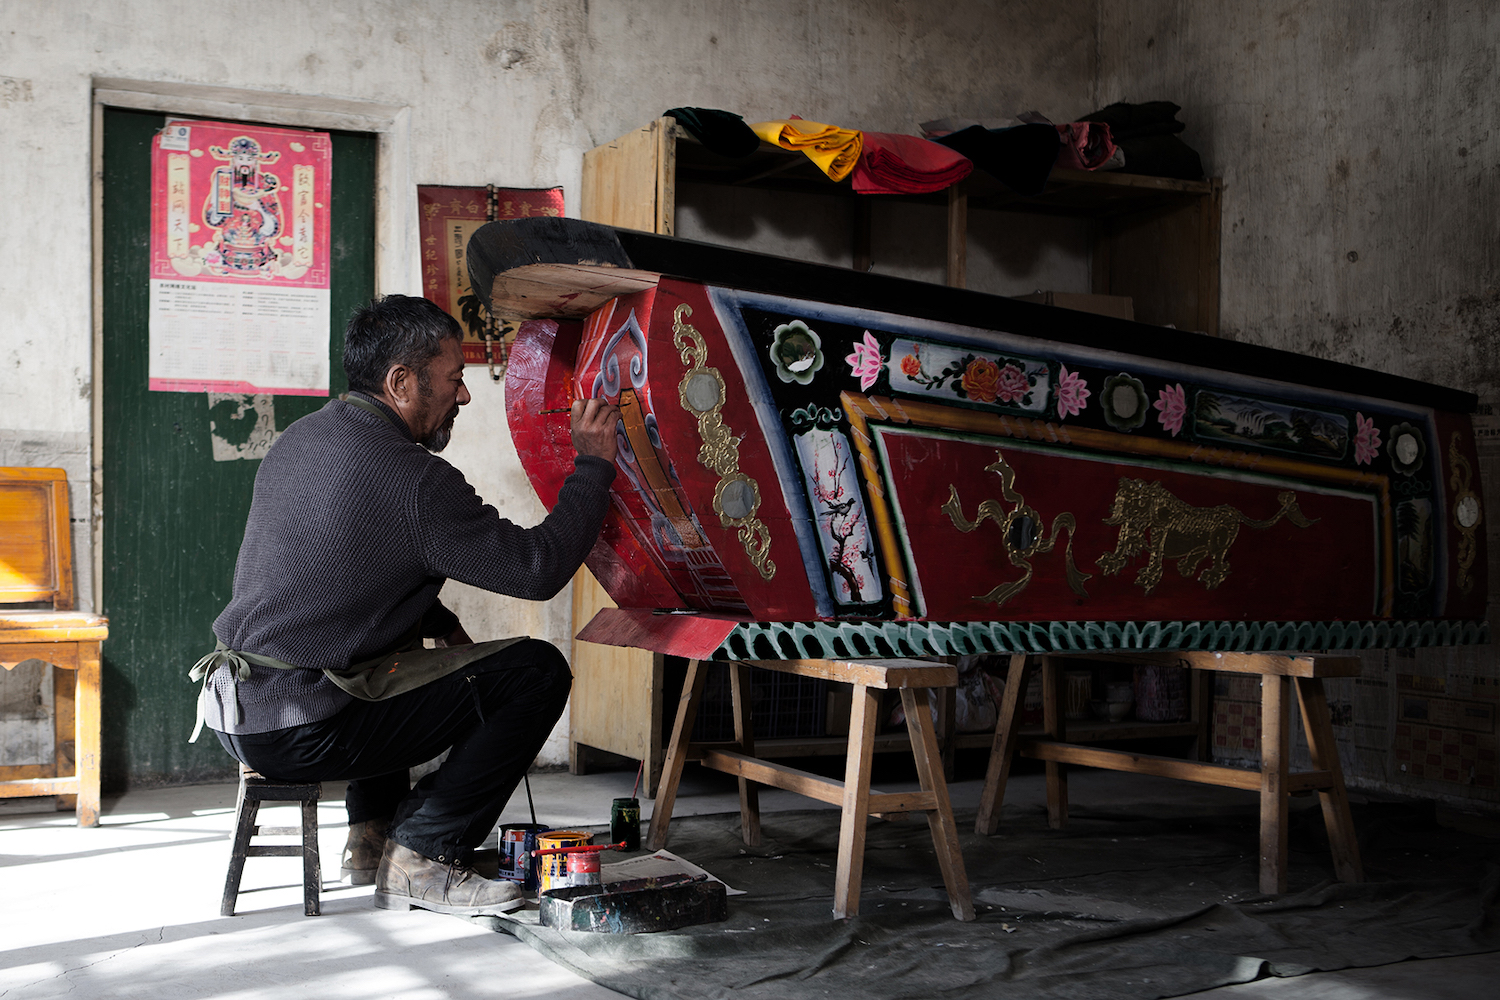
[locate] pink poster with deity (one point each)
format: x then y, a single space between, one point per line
239 259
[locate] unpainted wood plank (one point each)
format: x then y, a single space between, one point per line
63 655
882 674
1054 723
1278 664
744 736
666 175
1334 799
958 236
538 291
940 818
40 786
88 723
616 699
1139 763
64 730
864 716
619 184
51 626
1275 750
1003 749
682 732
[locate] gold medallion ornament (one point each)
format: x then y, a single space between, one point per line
1467 513
737 496
1151 518
1020 532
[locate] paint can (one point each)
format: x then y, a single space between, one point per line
517 841
583 868
625 823
553 868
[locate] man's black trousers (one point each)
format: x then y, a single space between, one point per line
492 716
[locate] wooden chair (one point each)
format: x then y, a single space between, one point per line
859 801
38 623
1274 780
255 789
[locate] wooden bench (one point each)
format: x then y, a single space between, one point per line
854 795
1274 780
38 623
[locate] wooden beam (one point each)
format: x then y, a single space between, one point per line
864 718
958 236
881 674
1275 750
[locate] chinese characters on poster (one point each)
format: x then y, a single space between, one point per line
449 216
239 259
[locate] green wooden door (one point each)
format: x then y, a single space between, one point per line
173 515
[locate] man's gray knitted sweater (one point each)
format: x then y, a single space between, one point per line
353 529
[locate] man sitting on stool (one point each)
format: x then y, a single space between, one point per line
320 672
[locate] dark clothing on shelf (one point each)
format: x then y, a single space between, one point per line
722 132
1021 158
1147 134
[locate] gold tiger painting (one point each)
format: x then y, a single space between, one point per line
1150 518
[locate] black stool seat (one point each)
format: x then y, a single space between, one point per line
255 789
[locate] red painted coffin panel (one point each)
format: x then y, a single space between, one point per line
1325 570
540 378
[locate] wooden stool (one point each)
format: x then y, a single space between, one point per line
1274 779
254 790
913 678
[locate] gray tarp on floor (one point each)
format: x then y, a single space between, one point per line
1121 904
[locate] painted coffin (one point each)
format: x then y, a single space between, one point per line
814 474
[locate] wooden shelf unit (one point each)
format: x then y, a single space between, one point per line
1154 239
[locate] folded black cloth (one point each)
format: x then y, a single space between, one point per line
723 132
1147 134
1019 157
1136 121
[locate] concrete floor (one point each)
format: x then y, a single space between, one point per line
130 909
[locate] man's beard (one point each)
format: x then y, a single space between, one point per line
439 438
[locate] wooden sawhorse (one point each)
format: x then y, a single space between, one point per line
1274 780
913 678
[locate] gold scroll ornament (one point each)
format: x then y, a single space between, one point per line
1467 513
737 496
1020 532
1151 518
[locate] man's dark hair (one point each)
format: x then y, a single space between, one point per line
394 330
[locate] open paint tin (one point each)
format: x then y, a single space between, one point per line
553 868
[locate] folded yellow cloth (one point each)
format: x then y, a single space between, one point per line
835 150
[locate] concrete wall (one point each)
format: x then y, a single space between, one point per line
510 93
1358 146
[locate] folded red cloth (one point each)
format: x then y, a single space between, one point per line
891 163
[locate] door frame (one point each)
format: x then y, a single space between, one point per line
398 266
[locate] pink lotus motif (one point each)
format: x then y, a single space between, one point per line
1366 440
1172 402
865 363
1072 393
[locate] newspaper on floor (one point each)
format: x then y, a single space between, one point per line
655 866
